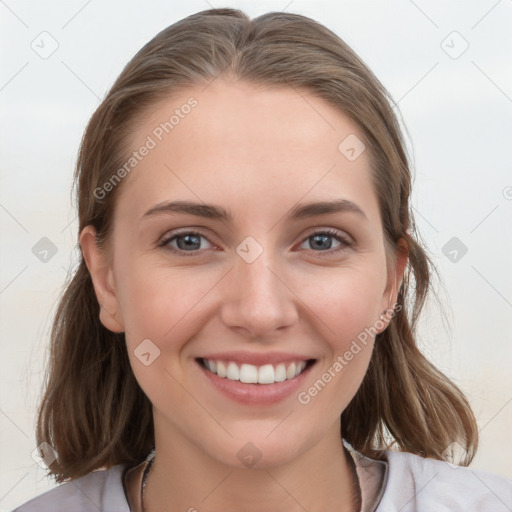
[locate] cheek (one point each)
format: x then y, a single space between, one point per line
161 314
166 304
162 304
344 301
346 307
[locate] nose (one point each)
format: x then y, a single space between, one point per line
258 301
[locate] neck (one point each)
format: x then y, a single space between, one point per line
185 478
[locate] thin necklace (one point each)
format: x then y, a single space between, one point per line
355 480
150 458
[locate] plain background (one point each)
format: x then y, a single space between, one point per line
447 64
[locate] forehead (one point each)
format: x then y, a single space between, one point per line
246 147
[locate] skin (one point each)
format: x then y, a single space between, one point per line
257 152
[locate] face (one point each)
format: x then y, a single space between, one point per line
248 284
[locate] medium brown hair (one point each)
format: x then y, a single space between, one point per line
93 412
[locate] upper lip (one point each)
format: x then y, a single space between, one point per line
257 359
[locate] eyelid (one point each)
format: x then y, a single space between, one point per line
346 241
169 236
332 231
344 238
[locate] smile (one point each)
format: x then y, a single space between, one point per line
251 374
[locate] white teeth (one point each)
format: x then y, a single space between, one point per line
290 372
280 373
266 374
250 374
221 369
233 372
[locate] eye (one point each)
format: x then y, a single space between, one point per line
322 240
187 243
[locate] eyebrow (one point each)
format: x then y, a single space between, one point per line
211 211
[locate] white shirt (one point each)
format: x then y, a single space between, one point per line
406 483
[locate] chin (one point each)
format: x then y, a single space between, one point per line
259 451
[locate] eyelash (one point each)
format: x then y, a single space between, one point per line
346 243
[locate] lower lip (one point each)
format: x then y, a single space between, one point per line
255 393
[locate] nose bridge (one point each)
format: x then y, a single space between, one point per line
257 298
257 277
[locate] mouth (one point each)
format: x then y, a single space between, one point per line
251 374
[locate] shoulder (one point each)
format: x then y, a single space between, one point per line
418 484
99 491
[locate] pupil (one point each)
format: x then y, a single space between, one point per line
190 240
323 238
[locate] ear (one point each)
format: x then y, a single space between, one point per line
100 268
394 282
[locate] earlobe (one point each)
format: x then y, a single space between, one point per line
102 277
402 257
394 283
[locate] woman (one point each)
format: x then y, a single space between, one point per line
240 330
